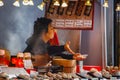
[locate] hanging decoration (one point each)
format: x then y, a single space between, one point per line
1 3
105 4
16 3
118 7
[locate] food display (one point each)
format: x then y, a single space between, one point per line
56 69
85 74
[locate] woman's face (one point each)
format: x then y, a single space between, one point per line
50 33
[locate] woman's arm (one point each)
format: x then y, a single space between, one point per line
76 56
67 47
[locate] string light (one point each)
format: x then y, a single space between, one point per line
25 2
118 7
16 3
56 3
64 4
41 6
105 3
88 3
1 3
31 2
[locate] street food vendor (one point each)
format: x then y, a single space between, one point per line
38 44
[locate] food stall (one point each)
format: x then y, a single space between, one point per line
76 16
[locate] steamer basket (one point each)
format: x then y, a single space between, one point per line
69 66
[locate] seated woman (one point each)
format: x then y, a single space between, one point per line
39 47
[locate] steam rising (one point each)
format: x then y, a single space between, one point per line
16 25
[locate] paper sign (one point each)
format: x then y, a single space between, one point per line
88 23
69 23
28 64
78 23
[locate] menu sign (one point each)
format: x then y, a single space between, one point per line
76 16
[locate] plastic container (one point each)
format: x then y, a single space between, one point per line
87 67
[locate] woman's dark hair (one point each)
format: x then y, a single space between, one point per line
40 25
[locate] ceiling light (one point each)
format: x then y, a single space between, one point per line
88 3
1 3
25 2
105 3
41 6
56 3
64 4
118 7
16 3
31 2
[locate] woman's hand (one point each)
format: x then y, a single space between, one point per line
78 57
67 47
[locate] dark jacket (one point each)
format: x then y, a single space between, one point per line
37 46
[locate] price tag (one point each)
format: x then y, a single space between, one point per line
76 79
69 23
94 79
60 23
84 79
113 78
103 79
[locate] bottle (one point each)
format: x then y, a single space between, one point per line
27 61
51 7
79 8
70 7
87 10
60 11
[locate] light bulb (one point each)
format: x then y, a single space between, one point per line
64 4
31 2
118 7
105 4
41 6
88 3
56 3
1 3
16 3
25 2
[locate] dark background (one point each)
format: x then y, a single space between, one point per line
16 24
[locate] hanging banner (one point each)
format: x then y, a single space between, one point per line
76 15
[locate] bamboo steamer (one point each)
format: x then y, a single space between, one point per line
69 66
